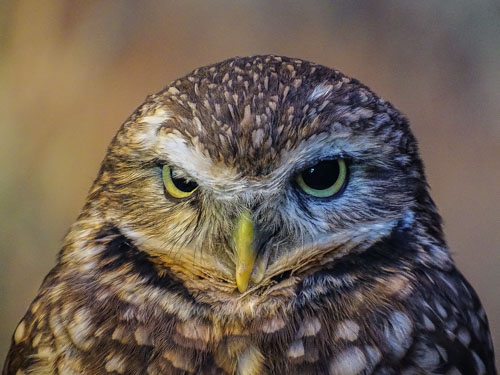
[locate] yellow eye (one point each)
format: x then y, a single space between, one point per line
323 179
177 187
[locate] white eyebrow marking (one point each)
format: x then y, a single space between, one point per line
199 165
320 91
149 126
189 158
157 118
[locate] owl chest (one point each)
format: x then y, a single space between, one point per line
135 343
125 338
271 346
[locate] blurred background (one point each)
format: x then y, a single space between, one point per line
72 71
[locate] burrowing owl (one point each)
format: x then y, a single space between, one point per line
263 215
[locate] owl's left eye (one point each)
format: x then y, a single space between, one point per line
324 179
177 187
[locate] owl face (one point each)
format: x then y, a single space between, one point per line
242 176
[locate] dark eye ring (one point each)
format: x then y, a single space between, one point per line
324 179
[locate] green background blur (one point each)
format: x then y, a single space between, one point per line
72 71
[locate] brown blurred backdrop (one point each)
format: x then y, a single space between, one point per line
72 71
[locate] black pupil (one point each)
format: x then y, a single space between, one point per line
323 175
182 184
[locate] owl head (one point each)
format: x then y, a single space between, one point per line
243 177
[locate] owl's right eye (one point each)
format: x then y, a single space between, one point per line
324 179
177 187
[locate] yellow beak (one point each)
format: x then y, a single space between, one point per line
245 250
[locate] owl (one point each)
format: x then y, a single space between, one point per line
262 215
